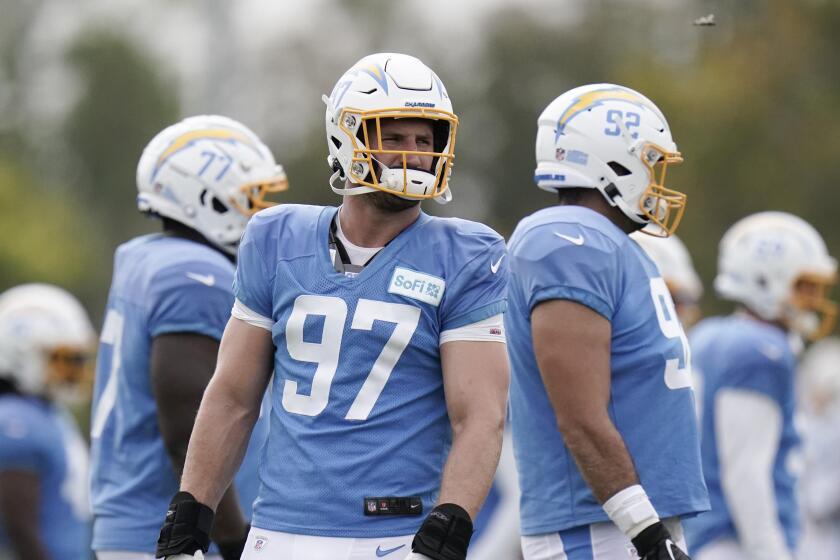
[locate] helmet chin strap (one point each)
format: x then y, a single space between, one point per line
393 179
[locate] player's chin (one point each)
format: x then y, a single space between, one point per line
387 202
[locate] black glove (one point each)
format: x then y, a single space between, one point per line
445 534
233 550
186 528
654 543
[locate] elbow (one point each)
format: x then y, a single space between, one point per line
490 422
577 426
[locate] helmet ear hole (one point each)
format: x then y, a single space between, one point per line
619 169
219 206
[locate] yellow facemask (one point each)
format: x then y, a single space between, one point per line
664 207
371 121
810 295
256 192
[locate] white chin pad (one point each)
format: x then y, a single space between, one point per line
419 182
806 323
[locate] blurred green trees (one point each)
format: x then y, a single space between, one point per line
754 104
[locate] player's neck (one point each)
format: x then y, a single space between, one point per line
755 317
365 225
177 229
594 200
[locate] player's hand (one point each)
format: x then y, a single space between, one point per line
186 529
444 535
654 543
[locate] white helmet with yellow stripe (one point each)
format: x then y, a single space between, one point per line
614 139
210 173
778 266
46 339
388 86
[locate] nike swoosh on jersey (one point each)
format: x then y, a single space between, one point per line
206 279
380 553
573 240
494 266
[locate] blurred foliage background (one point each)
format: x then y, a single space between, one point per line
754 104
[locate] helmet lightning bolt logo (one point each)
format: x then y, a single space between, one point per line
187 139
595 98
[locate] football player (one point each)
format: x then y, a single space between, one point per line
168 305
819 396
601 403
385 329
674 263
45 343
776 268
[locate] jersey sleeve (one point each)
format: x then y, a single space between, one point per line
479 290
252 285
20 446
193 297
561 262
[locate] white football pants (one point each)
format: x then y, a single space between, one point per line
599 541
273 545
120 555
721 549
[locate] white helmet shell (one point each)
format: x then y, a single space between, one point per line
614 139
209 173
674 262
37 320
760 259
388 86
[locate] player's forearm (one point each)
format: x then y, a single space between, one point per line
472 461
218 444
600 454
229 524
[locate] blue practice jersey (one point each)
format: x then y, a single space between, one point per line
740 353
41 438
358 405
573 253
161 285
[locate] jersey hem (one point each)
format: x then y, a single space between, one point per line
193 328
478 314
576 295
570 522
366 533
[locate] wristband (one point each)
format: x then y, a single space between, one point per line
445 534
631 510
186 528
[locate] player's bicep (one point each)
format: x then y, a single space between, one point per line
572 347
475 379
245 362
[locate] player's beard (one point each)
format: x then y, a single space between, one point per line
390 203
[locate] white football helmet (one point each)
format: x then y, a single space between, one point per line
210 173
819 374
46 341
388 86
613 139
778 266
674 262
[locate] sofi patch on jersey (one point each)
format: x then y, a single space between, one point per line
417 285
